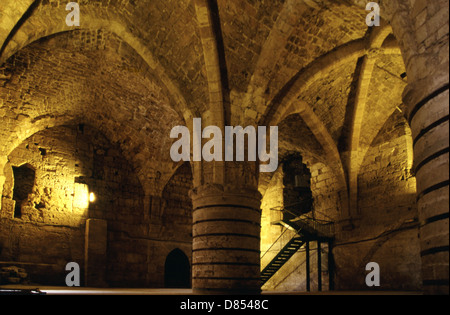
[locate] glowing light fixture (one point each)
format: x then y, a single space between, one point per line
91 197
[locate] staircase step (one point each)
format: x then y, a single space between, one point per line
280 260
305 232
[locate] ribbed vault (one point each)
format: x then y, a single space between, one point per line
176 60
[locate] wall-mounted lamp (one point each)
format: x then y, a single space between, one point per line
91 197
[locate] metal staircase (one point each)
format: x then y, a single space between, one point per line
306 229
281 258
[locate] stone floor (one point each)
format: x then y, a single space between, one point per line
178 292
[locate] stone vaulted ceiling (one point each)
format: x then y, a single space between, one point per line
142 67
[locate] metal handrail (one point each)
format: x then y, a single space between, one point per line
285 209
322 226
271 246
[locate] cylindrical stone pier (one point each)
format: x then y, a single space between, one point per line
226 241
428 103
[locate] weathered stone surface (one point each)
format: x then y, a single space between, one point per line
13 275
338 90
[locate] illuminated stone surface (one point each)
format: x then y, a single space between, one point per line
90 109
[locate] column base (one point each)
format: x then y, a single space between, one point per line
226 241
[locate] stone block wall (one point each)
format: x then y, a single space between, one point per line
70 163
273 199
384 230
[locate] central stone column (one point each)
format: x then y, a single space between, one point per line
226 240
421 28
429 119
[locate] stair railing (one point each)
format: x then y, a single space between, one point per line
322 227
279 238
310 223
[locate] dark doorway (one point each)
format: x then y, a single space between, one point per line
24 177
177 271
297 194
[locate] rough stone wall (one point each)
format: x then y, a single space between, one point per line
69 163
386 172
326 193
169 226
387 229
49 83
50 231
177 206
272 198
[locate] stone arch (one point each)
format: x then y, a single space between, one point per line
12 13
70 162
31 122
330 150
53 122
398 15
105 21
376 43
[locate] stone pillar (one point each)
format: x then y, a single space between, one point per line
429 123
425 30
226 240
95 253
